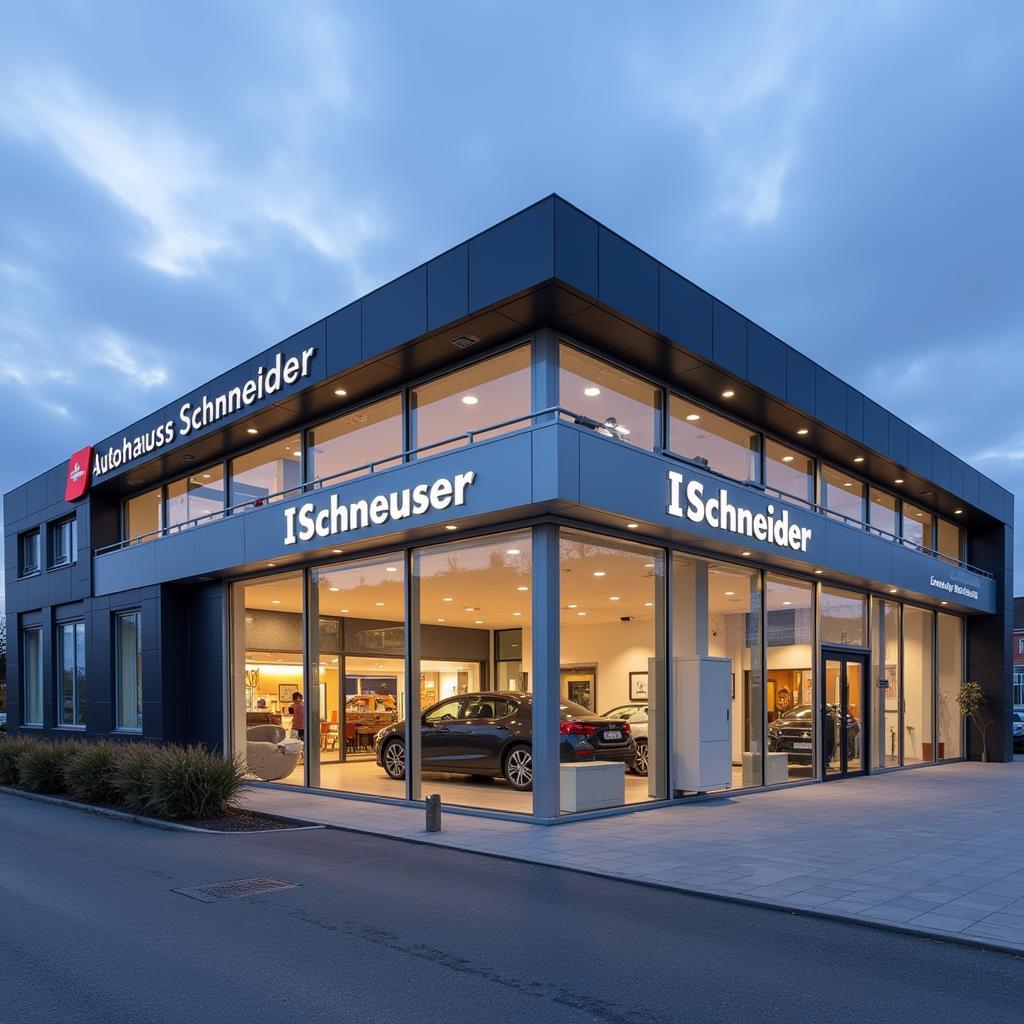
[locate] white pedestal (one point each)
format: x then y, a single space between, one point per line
590 786
777 764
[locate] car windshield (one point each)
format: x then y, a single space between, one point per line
626 711
804 711
571 710
1019 716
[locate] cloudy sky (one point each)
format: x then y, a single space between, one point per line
186 183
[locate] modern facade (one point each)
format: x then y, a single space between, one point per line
539 477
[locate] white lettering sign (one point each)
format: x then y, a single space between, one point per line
193 418
308 521
954 588
721 514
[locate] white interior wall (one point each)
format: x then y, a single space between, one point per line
917 682
617 649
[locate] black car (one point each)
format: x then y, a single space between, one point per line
491 734
792 733
1018 730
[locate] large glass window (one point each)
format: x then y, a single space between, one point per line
722 444
918 684
843 615
71 673
612 401
843 495
882 512
32 676
143 516
270 473
886 656
128 657
28 553
491 391
470 594
789 471
789 673
196 498
611 646
360 673
269 695
918 527
63 542
949 539
339 449
950 676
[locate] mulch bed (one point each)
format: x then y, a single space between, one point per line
243 821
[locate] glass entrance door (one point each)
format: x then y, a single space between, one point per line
843 726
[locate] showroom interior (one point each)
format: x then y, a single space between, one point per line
565 641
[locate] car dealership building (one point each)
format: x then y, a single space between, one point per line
538 478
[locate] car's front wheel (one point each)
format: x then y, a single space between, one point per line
518 768
393 759
640 761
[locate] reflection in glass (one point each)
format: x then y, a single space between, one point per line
71 672
340 448
143 515
267 474
949 540
128 660
951 666
723 445
198 497
918 684
613 402
491 391
789 471
882 512
32 676
917 526
885 655
843 615
843 495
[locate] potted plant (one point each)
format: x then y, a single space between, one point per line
974 705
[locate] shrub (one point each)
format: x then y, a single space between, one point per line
41 765
89 775
191 782
11 749
134 774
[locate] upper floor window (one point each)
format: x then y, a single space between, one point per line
63 542
341 447
843 494
143 515
28 553
613 402
198 497
71 673
949 539
491 391
270 473
789 471
725 446
918 527
843 617
32 676
882 512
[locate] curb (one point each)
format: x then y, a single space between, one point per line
967 941
167 826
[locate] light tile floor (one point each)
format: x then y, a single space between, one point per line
938 850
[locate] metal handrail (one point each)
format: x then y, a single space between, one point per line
577 419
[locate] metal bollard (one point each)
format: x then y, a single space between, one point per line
434 813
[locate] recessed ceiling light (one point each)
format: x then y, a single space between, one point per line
648 565
470 400
478 622
572 606
344 611
517 613
898 480
206 476
920 515
251 430
298 455
847 484
600 572
440 620
730 593
787 603
860 458
944 602
615 597
787 458
581 613
632 526
818 572
893 590
648 604
745 554
803 431
693 417
958 511
592 392
390 568
512 551
333 590
447 598
270 565
275 601
522 589
451 527
340 392
337 551
728 394
470 608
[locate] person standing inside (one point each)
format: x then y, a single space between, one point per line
299 715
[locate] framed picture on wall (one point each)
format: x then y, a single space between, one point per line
639 687
285 691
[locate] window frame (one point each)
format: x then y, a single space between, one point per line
37 632
26 570
758 453
53 530
79 673
118 616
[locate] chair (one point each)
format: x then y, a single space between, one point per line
269 755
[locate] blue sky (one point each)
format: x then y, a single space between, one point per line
184 184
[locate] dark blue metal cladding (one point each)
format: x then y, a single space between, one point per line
448 287
830 399
899 444
854 413
628 279
685 313
395 313
576 249
513 255
766 360
729 339
919 454
876 427
345 339
800 380
941 466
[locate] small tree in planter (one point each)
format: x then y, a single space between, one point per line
974 705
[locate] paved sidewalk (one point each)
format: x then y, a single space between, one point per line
937 850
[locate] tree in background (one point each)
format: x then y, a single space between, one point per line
3 662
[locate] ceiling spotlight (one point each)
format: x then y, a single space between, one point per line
252 430
847 484
340 392
470 400
893 590
648 604
818 572
390 568
337 551
730 593
440 620
632 526
206 476
899 480
944 602
517 613
522 589
470 608
787 603
615 598
958 511
333 590
728 394
581 613
379 604
478 622
447 598
648 565
860 458
787 458
745 554
592 392
344 611
572 606
275 601
693 417
600 572
270 565
803 431
451 527
512 551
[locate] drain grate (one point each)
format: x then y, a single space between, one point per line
235 890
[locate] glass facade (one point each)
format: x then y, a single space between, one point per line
918 685
789 471
950 674
721 444
195 499
63 543
270 473
918 527
883 512
342 448
886 649
843 495
32 676
948 540
843 617
128 658
71 673
144 515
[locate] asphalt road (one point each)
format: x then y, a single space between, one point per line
92 930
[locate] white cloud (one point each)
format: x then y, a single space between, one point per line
127 357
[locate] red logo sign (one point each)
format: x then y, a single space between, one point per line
79 472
